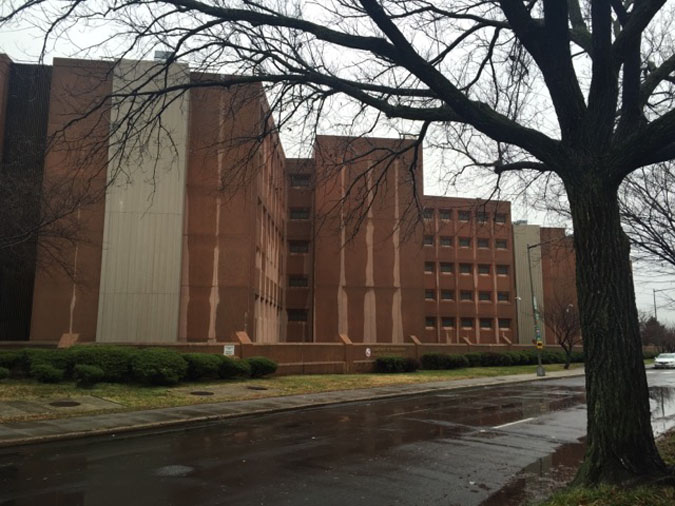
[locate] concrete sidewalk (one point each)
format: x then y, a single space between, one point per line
18 433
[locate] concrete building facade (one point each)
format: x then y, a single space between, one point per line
202 227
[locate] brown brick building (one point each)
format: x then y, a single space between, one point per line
222 233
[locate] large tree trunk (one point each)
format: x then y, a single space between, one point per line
620 439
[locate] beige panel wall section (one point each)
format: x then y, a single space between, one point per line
142 237
522 236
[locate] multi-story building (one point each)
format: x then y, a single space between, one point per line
202 227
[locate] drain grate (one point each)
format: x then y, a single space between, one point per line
201 392
64 404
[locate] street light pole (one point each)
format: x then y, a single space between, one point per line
654 291
535 311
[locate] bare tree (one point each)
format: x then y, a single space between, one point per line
562 318
579 89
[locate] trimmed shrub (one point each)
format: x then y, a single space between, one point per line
10 359
46 373
577 357
492 359
231 368
395 364
87 375
473 358
202 366
4 373
114 361
261 366
442 361
158 366
58 359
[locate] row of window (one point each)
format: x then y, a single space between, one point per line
448 322
446 215
299 213
300 180
467 295
464 242
449 268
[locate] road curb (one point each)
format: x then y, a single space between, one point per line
192 422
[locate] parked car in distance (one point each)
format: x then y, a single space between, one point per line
665 361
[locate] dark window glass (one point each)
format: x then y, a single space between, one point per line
445 214
298 246
500 218
428 240
300 180
482 217
300 213
467 323
297 281
464 242
297 315
447 322
503 296
486 323
447 294
466 295
428 267
463 215
428 213
502 269
430 321
484 296
483 243
446 241
446 268
483 269
465 268
505 323
500 243
430 294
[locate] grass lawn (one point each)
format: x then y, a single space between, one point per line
134 397
622 496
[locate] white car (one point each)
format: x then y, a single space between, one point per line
665 361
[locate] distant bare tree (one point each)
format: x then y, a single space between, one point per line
562 318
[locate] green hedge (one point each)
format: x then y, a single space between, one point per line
114 361
261 366
202 366
395 364
441 361
4 373
436 361
46 373
57 359
88 375
232 368
158 366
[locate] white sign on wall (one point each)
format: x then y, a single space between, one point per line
228 350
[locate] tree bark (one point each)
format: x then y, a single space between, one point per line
620 440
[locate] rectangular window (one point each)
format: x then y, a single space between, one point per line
299 213
486 323
466 295
297 281
430 322
463 215
300 180
465 269
500 218
428 267
483 243
446 242
482 217
505 323
446 268
298 246
464 242
467 323
500 243
484 297
447 295
430 294
503 296
483 269
428 213
428 240
448 322
503 270
297 315
445 214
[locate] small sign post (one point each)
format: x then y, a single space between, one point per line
228 350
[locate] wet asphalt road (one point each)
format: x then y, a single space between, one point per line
491 445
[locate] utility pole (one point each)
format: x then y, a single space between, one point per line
654 291
535 311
